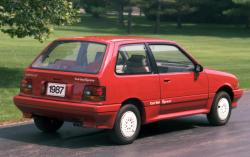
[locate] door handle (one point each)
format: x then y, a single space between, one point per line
166 80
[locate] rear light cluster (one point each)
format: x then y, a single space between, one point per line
94 93
26 86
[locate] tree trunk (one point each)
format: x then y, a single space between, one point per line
120 13
158 17
129 19
179 21
248 23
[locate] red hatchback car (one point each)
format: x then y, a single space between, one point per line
120 83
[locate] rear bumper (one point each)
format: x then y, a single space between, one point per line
93 116
237 95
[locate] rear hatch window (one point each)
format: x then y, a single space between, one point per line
73 56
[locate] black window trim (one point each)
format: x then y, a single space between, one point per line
168 44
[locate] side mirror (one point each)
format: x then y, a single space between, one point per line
198 68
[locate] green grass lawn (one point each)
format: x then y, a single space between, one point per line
215 46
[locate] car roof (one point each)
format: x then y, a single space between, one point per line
108 39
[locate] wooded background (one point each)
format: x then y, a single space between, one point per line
36 18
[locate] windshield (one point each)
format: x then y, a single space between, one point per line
75 56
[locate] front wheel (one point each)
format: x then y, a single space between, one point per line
127 125
47 125
221 109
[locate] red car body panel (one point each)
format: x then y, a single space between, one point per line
161 96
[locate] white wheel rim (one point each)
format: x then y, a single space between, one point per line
223 108
128 124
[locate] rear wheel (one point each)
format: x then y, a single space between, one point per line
47 125
221 109
127 125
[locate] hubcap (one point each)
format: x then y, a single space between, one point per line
128 124
223 108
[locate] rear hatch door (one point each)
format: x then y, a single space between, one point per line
61 86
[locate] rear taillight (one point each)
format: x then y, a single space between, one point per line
94 93
26 86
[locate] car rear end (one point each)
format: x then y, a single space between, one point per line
64 82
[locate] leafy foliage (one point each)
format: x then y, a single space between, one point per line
170 7
242 8
21 18
36 18
174 8
95 7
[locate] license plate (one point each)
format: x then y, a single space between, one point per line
56 89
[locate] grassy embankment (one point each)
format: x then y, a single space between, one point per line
215 46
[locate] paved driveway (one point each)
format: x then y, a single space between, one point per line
184 137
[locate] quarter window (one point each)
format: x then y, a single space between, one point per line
170 59
132 59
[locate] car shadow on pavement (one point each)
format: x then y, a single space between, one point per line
73 137
174 125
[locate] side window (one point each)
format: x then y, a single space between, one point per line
170 59
132 59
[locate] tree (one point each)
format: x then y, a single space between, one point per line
95 7
129 19
120 12
128 5
181 8
178 8
242 8
122 6
158 16
211 11
153 10
21 18
119 6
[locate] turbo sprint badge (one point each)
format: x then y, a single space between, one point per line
84 79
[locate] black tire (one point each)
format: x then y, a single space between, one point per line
116 133
47 125
213 117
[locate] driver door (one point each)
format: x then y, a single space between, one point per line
182 89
